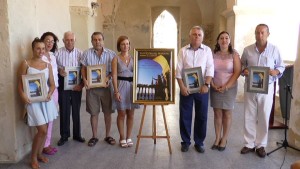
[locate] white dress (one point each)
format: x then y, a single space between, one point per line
40 113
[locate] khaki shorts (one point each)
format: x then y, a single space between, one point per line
98 98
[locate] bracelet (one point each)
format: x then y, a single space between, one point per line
117 92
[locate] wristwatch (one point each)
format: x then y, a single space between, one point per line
207 84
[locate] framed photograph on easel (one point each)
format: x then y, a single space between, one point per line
153 80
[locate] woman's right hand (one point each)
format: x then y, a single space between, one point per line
118 96
25 99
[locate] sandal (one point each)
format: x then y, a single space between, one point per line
110 140
53 148
123 143
129 142
48 151
35 165
43 159
92 142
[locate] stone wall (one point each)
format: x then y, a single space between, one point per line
20 24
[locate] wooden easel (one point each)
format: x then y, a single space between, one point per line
153 136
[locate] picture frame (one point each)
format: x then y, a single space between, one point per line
193 79
154 76
258 79
35 87
72 78
96 76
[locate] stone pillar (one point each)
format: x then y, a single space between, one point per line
15 136
294 123
83 25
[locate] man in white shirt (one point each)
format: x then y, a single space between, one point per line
258 106
193 55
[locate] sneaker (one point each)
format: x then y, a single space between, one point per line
261 152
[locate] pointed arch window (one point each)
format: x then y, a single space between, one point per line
165 32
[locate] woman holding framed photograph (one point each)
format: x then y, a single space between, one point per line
39 113
122 74
224 88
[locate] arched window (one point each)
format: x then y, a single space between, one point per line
165 32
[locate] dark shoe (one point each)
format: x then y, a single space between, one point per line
92 142
246 150
261 152
110 140
62 141
79 139
214 147
184 148
199 149
222 148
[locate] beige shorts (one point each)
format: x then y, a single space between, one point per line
98 98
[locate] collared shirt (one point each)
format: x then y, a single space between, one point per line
90 58
270 57
189 58
53 63
67 58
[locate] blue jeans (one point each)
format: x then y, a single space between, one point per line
185 120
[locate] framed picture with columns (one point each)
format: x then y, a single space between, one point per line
35 87
153 80
258 79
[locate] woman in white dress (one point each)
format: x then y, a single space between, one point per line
39 113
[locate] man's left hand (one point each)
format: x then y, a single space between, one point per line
204 89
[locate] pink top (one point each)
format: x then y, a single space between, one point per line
223 68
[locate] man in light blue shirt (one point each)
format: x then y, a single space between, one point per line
258 106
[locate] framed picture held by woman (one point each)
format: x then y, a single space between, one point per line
35 87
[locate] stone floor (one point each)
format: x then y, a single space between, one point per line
74 155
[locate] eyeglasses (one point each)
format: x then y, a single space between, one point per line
50 41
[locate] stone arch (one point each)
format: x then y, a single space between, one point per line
174 11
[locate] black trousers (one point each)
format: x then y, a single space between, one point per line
69 102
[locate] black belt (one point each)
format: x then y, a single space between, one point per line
129 79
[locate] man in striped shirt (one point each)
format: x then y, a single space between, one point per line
100 97
69 56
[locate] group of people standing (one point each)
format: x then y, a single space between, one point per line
221 69
51 61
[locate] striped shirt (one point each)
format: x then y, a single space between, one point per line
64 58
90 58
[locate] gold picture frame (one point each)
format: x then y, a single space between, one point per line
35 87
193 79
154 76
258 79
96 76
72 78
